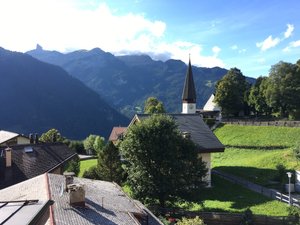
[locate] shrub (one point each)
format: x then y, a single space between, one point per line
92 173
73 166
247 218
188 221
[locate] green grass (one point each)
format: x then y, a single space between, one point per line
253 152
86 164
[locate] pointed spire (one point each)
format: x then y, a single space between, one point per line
189 92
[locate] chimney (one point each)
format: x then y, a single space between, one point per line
77 195
36 138
69 178
31 138
8 157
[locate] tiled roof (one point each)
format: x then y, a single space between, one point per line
45 157
116 132
105 202
7 135
200 133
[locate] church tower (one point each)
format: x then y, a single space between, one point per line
189 92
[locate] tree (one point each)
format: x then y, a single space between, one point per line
161 164
93 144
283 92
98 144
109 164
152 105
52 135
77 146
230 92
74 166
257 98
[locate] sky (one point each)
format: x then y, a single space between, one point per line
251 35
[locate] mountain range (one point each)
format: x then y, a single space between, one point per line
37 96
127 81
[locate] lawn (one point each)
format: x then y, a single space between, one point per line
86 164
225 196
253 152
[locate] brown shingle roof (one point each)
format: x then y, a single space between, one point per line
116 132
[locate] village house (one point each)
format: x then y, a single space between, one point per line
10 138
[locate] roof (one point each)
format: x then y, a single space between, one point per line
116 132
7 135
105 202
210 105
35 188
189 92
200 133
45 157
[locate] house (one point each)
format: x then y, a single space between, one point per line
71 200
10 138
22 162
211 109
191 124
117 134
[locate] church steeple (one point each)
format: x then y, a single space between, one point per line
189 92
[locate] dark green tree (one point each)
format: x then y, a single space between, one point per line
161 164
152 105
52 135
257 99
230 92
77 146
73 165
283 89
109 163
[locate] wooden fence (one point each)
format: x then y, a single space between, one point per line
271 193
248 122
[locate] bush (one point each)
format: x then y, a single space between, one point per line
73 166
281 173
92 173
194 221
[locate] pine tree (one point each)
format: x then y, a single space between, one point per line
109 163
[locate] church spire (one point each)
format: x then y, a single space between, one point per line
189 92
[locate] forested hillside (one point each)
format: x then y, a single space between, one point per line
36 96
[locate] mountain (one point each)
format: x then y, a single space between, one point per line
127 81
36 96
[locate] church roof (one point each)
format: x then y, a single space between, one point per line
199 132
211 105
189 92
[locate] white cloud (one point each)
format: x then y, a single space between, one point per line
72 24
289 31
216 50
293 44
234 47
268 43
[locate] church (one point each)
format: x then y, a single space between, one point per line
191 124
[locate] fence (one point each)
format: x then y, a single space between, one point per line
258 188
248 122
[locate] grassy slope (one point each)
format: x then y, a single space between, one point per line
86 164
253 152
225 196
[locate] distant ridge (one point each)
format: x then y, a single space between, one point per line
127 81
36 96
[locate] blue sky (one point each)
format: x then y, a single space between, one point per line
250 35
